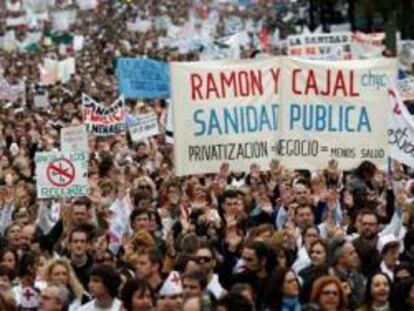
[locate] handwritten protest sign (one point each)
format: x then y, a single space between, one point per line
62 20
102 120
334 46
143 78
406 88
401 131
87 4
74 138
366 46
12 93
301 111
61 174
146 125
41 100
224 112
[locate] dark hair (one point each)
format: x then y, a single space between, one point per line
274 288
27 265
137 212
366 167
83 201
370 212
199 276
154 256
138 194
233 302
369 299
259 248
231 194
80 229
7 272
109 276
6 250
133 286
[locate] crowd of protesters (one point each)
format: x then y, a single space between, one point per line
267 239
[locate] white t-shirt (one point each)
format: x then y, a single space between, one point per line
90 306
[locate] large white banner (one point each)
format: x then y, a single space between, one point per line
300 111
401 131
224 112
335 110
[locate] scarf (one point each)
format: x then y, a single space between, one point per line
291 304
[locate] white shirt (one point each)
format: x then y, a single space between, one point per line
215 288
90 306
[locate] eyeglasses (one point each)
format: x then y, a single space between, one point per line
330 293
203 259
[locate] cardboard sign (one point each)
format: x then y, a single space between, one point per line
406 88
12 93
74 138
334 46
101 120
401 131
145 126
143 78
302 112
61 174
41 100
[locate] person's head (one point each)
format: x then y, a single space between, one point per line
80 211
59 271
368 224
12 235
104 282
197 304
389 248
142 196
283 283
318 252
246 290
148 264
327 291
55 298
301 194
194 284
233 301
304 216
366 170
309 234
6 278
28 268
140 219
232 202
78 242
205 257
9 258
378 289
170 303
137 295
255 256
344 255
27 235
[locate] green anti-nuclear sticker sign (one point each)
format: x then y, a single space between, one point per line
61 174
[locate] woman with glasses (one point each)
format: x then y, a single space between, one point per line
377 293
327 292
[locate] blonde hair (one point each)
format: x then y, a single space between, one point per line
73 283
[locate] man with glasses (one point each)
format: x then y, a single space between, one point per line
207 263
